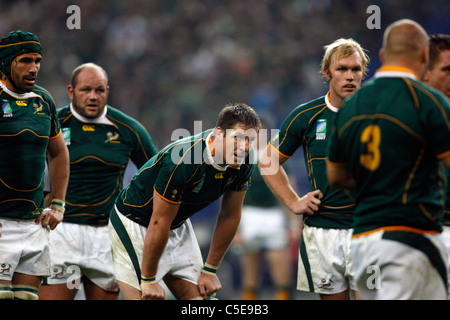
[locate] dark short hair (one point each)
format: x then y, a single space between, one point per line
438 43
238 113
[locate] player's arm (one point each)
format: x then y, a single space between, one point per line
273 173
226 226
59 168
340 176
158 233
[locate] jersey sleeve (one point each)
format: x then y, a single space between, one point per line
173 178
55 127
143 147
290 135
437 128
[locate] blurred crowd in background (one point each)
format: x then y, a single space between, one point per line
173 62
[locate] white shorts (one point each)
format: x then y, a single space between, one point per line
23 248
387 269
181 258
325 264
78 250
263 228
445 235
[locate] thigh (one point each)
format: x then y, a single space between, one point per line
66 258
182 257
127 243
181 289
324 266
24 249
98 265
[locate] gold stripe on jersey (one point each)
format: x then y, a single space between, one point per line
290 123
135 133
380 116
180 161
96 158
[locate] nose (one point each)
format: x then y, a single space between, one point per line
92 95
350 75
34 68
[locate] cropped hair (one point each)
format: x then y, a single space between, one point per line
343 48
238 113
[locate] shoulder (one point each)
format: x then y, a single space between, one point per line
121 119
64 111
436 96
306 110
44 94
120 116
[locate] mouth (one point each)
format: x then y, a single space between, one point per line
349 87
30 80
239 158
92 106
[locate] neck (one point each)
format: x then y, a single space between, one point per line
415 67
335 100
10 85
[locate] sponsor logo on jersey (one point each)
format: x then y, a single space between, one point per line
6 108
67 134
219 175
321 129
88 127
21 103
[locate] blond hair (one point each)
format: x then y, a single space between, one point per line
342 48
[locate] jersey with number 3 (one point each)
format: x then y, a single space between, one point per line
392 133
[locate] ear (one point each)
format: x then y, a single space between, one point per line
381 55
70 91
327 74
426 76
219 132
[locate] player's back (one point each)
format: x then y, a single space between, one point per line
389 131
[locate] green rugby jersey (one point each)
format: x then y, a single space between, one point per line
391 133
182 173
309 125
27 122
99 153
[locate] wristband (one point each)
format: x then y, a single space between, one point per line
148 279
57 204
210 269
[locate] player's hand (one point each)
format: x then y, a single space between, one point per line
152 291
208 285
309 203
50 218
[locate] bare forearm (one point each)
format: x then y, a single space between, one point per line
224 233
280 186
154 244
